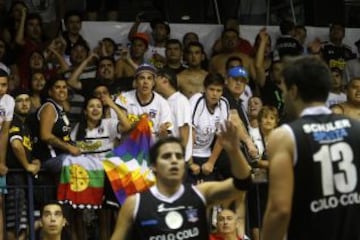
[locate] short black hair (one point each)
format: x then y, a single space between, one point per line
286 26
229 30
3 73
154 150
214 79
173 41
32 16
110 58
170 75
157 21
194 44
72 13
51 202
230 59
83 44
310 75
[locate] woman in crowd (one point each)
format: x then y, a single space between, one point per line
54 127
268 119
96 136
37 85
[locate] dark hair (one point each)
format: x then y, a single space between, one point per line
214 79
83 44
33 16
189 33
170 75
110 58
3 73
226 22
229 30
42 56
154 150
339 24
173 41
81 132
310 75
159 21
286 26
51 202
230 59
111 41
51 82
72 13
194 44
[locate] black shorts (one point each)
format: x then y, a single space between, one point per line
256 202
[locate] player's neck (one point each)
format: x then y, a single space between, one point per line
168 189
51 237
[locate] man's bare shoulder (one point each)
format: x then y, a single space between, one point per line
281 139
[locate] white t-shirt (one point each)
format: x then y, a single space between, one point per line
98 141
7 105
206 124
257 139
157 109
335 98
181 111
245 96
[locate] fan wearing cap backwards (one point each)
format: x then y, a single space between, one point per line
160 34
143 100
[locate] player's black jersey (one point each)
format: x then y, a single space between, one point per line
180 217
326 199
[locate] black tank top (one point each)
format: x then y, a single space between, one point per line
326 199
61 129
183 217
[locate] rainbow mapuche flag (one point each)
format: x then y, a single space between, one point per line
128 168
81 182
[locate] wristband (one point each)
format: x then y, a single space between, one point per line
242 184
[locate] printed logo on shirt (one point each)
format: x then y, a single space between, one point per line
14 129
192 215
152 113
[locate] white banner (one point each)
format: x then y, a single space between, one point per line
208 33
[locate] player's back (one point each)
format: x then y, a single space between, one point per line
326 199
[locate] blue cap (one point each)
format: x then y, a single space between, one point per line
145 68
236 72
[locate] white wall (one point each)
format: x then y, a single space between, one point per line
95 31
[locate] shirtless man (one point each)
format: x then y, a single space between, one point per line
127 64
351 107
190 81
229 38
